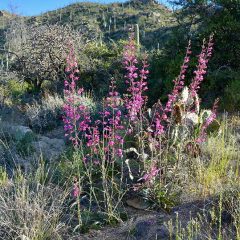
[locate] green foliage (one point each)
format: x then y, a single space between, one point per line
162 71
17 89
231 95
163 198
12 91
24 145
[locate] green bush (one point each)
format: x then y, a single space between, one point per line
232 96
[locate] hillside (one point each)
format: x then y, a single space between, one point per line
111 21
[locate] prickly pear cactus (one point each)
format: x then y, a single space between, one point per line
188 117
186 97
204 115
214 127
191 119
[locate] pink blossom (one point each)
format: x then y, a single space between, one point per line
178 83
76 190
203 60
151 174
76 117
120 152
135 80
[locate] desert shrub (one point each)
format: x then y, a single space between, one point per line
46 114
102 64
11 90
39 53
17 89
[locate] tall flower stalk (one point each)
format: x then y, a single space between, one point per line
178 83
160 120
76 116
71 115
203 60
135 79
99 143
137 85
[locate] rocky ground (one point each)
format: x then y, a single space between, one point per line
152 225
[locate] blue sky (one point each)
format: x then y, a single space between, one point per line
34 7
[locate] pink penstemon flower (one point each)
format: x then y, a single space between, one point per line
160 119
76 190
203 60
136 80
151 174
112 123
178 84
76 116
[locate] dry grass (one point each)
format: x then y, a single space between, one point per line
31 208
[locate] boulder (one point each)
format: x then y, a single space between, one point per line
49 148
138 203
142 229
161 233
21 132
17 132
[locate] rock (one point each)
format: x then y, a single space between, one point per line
25 163
142 229
138 203
49 148
162 233
16 132
85 204
21 132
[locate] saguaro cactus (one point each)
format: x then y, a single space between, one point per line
125 25
101 39
136 32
